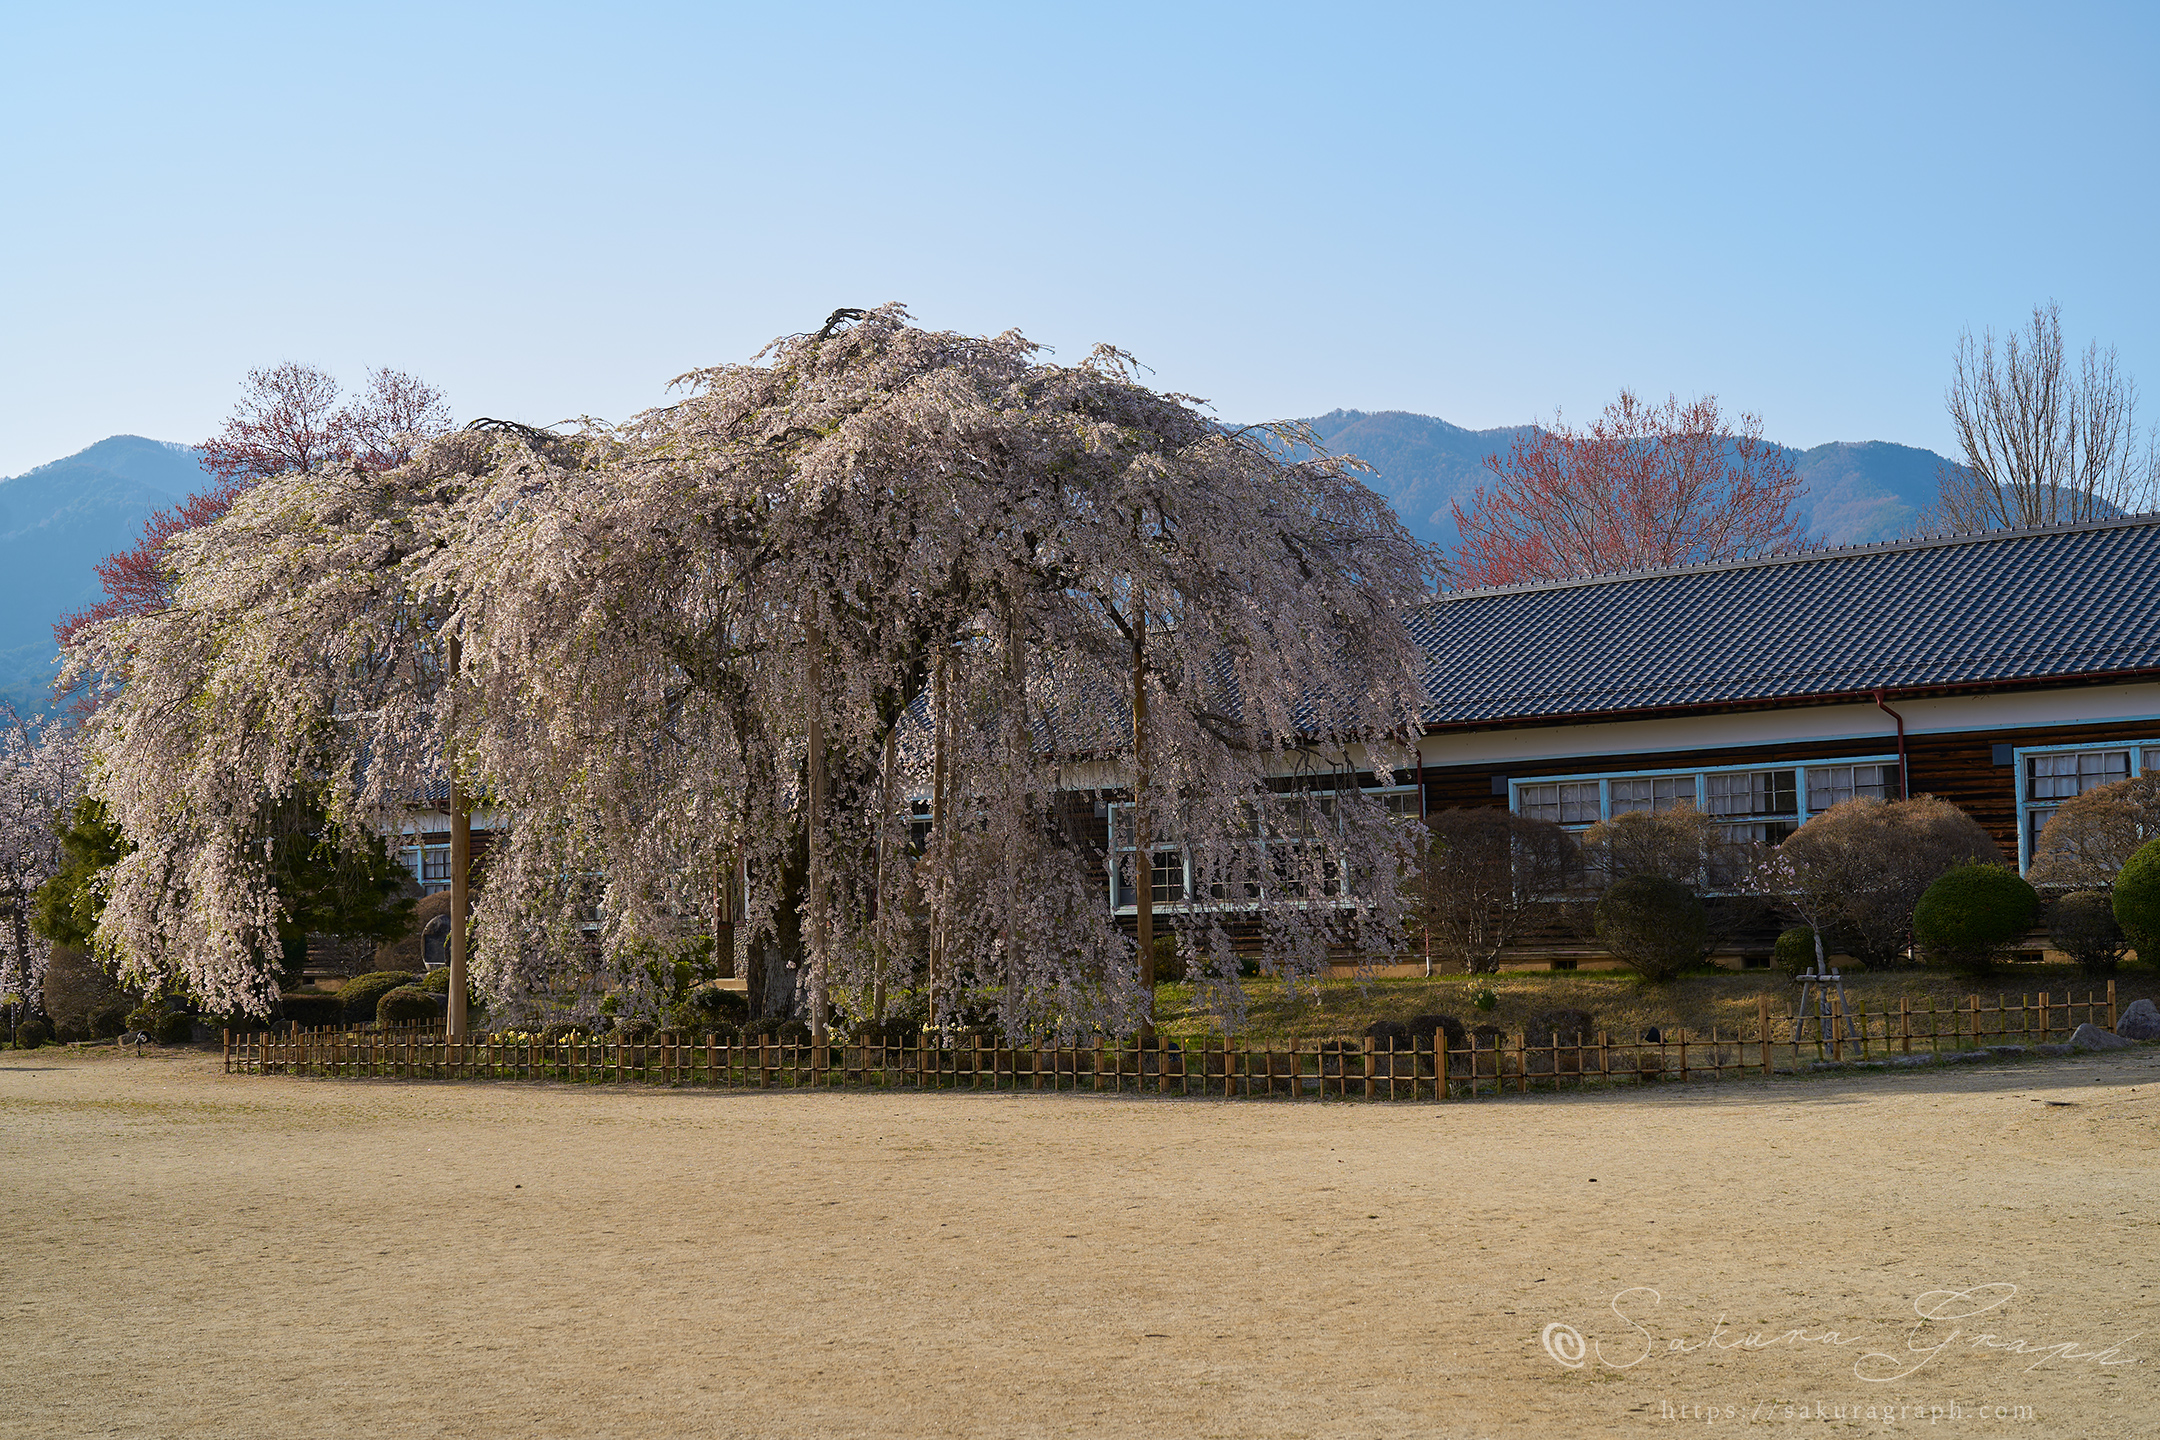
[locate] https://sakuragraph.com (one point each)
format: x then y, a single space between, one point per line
1943 1323
1846 1411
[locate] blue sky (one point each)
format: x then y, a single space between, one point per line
1482 213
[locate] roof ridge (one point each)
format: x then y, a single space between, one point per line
1811 555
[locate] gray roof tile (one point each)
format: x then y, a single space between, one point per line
2066 602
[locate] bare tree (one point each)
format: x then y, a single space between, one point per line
2043 446
2087 842
1486 871
1858 869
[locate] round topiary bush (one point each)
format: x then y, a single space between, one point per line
174 1027
2137 902
144 1018
362 995
108 1020
32 1033
1562 1027
406 1004
2083 926
1423 1028
1971 913
1655 926
312 1011
1795 952
1389 1035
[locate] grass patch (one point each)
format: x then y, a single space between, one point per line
1623 1006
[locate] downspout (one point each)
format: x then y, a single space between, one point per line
1904 773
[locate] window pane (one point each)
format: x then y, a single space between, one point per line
1540 802
1629 796
2068 773
2035 821
1755 792
435 864
1830 785
2152 761
1169 876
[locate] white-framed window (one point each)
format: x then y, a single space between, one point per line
1651 792
429 864
2049 775
1829 785
1574 804
1763 803
1294 860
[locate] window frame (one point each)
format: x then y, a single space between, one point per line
1124 904
2020 755
1701 775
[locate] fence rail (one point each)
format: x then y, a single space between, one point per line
1485 1065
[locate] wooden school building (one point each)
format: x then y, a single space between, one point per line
2005 672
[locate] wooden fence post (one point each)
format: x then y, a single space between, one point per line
2112 1017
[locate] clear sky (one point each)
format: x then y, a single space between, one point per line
1479 212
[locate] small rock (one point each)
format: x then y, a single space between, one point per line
1965 1057
2091 1037
1912 1060
2055 1052
2008 1052
2140 1020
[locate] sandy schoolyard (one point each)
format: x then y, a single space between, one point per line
184 1253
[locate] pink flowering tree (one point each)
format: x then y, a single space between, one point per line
744 638
40 774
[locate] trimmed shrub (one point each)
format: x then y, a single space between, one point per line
405 1004
1549 1027
2137 902
556 1032
731 1005
362 995
75 989
2083 926
32 1033
792 1032
892 1032
174 1027
1861 866
1423 1028
1169 961
1653 925
637 1032
1389 1035
1795 952
1970 913
311 1011
109 1020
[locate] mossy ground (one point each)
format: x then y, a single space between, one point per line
1622 1006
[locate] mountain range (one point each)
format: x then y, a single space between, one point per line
59 520
1852 492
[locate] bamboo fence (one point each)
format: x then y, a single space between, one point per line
1349 1069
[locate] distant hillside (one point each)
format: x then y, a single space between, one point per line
1853 492
56 523
59 520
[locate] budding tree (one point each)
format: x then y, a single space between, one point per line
1641 487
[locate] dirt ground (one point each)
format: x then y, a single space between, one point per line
184 1253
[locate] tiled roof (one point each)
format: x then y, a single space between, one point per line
2065 602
